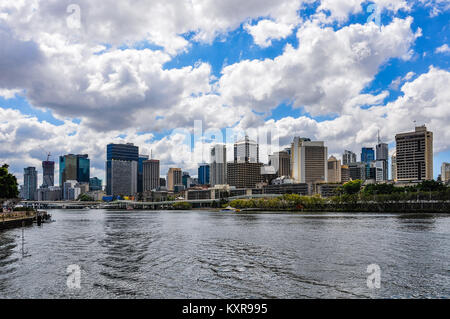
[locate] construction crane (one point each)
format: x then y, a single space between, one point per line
48 153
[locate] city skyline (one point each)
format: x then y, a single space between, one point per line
369 159
253 69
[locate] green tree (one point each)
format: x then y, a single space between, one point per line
85 198
352 187
8 184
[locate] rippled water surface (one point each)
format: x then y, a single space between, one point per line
201 254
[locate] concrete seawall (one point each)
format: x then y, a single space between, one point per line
24 219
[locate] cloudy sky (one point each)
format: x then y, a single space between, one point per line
76 75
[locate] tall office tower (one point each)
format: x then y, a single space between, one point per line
162 182
415 155
246 151
244 174
29 183
95 184
218 165
377 171
203 174
367 155
348 157
357 171
48 169
174 178
121 153
123 178
281 161
394 166
186 179
309 161
345 174
334 170
151 175
140 185
75 168
382 155
445 172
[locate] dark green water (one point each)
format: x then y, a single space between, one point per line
200 254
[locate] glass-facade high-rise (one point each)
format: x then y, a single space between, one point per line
367 157
74 168
95 184
203 174
83 168
140 185
29 183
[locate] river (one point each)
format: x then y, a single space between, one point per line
203 254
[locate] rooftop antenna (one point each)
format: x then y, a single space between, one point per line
379 140
151 154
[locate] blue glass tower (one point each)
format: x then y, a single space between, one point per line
83 168
367 157
140 186
203 174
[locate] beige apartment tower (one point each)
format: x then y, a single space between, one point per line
309 161
414 155
174 178
334 170
445 172
151 175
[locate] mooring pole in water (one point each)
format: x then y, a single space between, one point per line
23 240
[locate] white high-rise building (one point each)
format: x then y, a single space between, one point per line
218 165
246 151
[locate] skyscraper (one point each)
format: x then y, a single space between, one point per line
174 178
394 166
445 172
75 168
382 155
140 185
218 166
83 169
345 173
123 178
415 155
246 151
29 183
244 174
48 169
334 170
281 161
358 170
348 157
367 155
203 174
309 161
118 172
95 184
151 178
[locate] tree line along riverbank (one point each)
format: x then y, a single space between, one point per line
426 197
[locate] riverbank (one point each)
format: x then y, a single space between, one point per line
16 219
22 218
